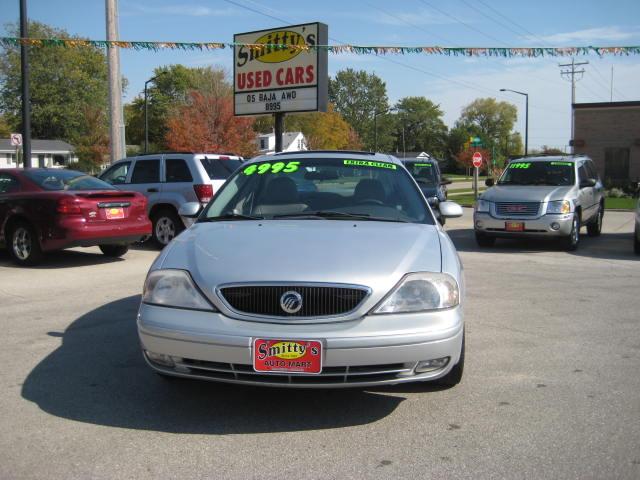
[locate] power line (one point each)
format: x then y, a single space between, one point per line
531 34
507 26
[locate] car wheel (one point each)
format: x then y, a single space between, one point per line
485 240
454 377
166 226
573 240
595 227
114 250
24 245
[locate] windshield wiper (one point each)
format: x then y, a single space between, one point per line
338 215
231 216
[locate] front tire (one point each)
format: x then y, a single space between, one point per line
485 240
454 376
166 226
572 242
114 251
594 228
24 245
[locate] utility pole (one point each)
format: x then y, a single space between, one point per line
571 76
116 120
26 99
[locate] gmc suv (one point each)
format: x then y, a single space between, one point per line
169 180
545 196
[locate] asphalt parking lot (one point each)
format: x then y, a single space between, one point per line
551 386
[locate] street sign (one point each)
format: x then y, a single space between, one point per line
16 139
477 159
269 77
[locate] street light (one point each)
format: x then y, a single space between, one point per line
526 116
146 114
375 126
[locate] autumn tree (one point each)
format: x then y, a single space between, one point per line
465 157
206 124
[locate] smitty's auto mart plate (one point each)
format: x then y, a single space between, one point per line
287 356
514 226
115 213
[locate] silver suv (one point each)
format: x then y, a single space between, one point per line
169 180
548 196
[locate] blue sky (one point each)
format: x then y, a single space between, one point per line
450 82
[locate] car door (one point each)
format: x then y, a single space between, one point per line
178 181
586 195
8 186
145 179
598 190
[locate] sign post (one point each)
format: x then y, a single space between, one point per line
477 162
279 70
16 141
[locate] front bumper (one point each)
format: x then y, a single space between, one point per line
533 226
372 350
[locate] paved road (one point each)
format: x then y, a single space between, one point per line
551 388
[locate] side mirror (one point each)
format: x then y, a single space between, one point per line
450 209
589 182
489 182
445 181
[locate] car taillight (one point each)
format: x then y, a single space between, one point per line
203 192
68 206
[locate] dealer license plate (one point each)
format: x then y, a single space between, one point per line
514 226
115 213
288 356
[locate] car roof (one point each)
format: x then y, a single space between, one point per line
350 154
550 158
419 160
154 155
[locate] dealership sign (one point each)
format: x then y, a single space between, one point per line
275 72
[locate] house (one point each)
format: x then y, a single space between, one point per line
291 142
609 133
44 153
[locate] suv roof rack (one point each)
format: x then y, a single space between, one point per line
358 152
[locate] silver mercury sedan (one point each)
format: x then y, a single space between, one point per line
313 269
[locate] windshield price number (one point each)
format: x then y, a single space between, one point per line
267 167
520 165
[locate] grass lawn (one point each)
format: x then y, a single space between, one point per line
621 203
462 178
464 200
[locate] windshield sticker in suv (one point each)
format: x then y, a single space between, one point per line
564 164
278 167
519 165
368 163
422 165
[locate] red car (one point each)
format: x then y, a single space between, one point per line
45 209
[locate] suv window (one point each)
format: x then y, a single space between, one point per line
8 183
117 174
177 171
522 172
146 171
583 174
219 169
591 170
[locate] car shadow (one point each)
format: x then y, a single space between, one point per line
62 259
612 246
98 376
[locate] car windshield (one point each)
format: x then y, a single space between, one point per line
320 188
554 173
424 173
66 180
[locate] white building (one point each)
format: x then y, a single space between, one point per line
44 153
291 142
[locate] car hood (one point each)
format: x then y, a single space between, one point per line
374 254
519 193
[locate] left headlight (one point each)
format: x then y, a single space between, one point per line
173 288
482 206
560 206
419 292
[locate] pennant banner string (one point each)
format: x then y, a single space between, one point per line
334 49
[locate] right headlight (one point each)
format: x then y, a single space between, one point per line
483 206
559 207
173 288
419 292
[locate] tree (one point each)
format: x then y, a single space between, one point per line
206 124
465 157
169 91
491 120
357 96
424 130
63 82
5 130
92 141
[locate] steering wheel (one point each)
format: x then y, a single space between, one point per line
370 201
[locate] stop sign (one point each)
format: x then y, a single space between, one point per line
477 159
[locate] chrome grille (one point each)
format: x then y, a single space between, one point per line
317 301
523 209
329 375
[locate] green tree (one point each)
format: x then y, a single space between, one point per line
357 96
92 140
5 130
489 119
63 82
424 130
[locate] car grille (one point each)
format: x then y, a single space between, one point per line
317 301
329 375
509 209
